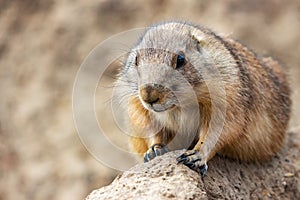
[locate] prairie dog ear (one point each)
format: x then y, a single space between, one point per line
199 39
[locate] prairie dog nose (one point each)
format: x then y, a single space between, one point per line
151 93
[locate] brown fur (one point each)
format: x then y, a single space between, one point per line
257 103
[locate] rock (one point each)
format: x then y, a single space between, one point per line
163 178
155 180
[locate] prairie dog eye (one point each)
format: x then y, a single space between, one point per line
180 61
137 59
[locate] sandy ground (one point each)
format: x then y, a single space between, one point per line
43 43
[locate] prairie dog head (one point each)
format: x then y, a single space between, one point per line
171 66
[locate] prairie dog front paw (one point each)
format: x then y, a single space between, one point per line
155 150
194 160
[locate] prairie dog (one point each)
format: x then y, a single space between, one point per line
184 86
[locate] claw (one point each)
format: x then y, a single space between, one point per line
190 165
203 170
180 160
146 158
155 150
194 161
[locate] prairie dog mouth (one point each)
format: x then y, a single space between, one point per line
157 97
157 107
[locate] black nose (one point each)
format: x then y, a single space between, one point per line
150 93
152 100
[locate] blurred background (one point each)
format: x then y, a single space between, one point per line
43 43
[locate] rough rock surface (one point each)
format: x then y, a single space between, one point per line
163 178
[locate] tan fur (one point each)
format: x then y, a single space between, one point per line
257 94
